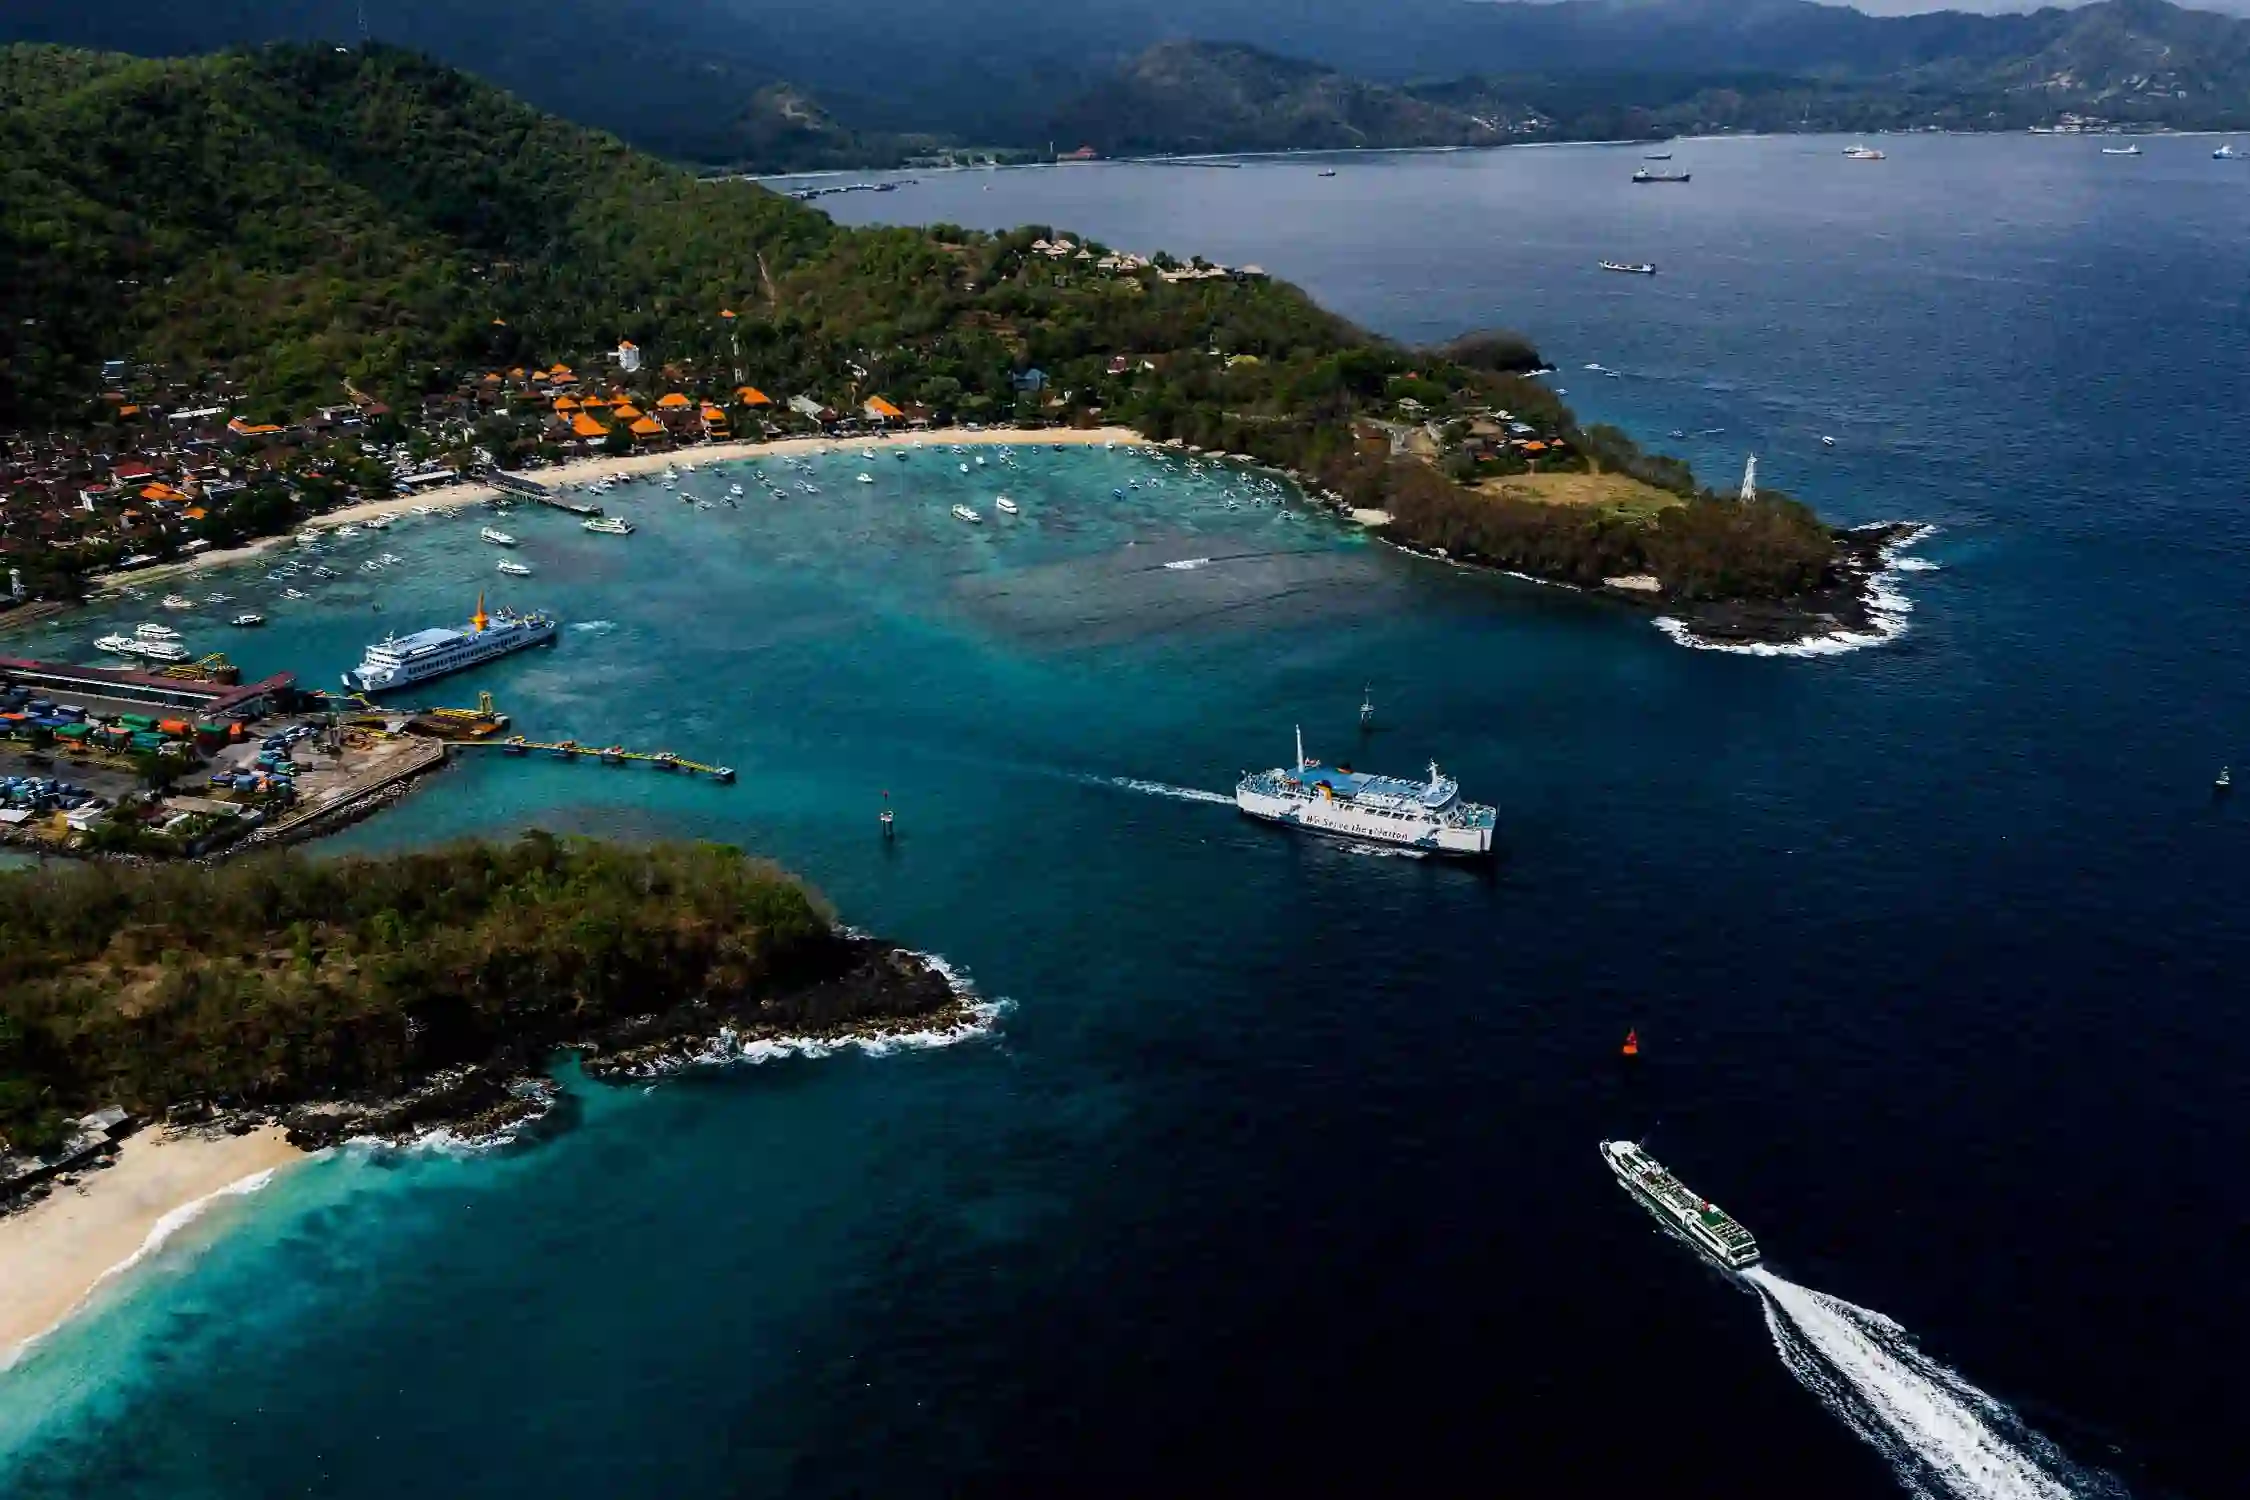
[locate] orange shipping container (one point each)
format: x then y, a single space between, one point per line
179 728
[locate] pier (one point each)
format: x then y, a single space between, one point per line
609 755
522 488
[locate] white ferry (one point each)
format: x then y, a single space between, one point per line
400 660
497 537
156 632
1007 507
1699 1221
609 526
1381 809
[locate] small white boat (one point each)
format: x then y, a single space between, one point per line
2133 150
1630 267
735 490
866 479
295 594
964 468
608 526
1862 153
346 533
1328 171
176 601
156 633
118 645
371 566
1826 441
377 523
513 569
250 619
2227 153
980 460
424 510
160 650
312 536
497 537
963 513
1007 507
218 598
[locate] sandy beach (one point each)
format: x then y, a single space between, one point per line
583 470
54 1254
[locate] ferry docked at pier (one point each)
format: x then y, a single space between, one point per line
400 660
1699 1221
1428 815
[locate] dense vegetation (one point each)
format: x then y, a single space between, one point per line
277 979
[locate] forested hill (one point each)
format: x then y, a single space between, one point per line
1196 96
299 216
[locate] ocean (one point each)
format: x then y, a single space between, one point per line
1277 1170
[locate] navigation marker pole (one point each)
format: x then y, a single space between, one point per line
1750 480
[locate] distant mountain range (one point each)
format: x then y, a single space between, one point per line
781 84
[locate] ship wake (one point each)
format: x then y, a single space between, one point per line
1945 1439
1176 793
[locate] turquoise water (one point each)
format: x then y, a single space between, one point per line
1280 1172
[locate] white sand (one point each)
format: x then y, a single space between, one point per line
580 470
56 1252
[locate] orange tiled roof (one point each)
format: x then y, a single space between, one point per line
675 402
195 513
587 427
648 427
750 395
564 403
882 408
627 412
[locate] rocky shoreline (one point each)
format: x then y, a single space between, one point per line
884 992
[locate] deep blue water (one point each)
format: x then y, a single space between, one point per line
1280 1171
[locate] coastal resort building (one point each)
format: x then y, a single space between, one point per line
564 406
750 395
879 410
629 357
715 423
586 427
626 411
673 402
648 429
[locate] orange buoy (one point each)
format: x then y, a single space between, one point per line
1632 1046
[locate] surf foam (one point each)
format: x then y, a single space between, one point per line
1887 609
1941 1435
159 1234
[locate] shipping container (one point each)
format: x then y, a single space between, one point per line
136 721
179 729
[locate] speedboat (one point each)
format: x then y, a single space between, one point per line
964 468
295 594
176 601
247 620
735 490
2132 150
2227 153
866 479
1862 153
608 526
963 513
1827 442
1007 507
513 569
497 537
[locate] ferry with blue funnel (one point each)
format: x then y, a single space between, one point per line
401 660
1427 815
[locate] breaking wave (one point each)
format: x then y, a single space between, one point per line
159 1233
1188 564
1941 1435
595 627
982 1017
1887 610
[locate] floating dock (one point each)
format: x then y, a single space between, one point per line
609 755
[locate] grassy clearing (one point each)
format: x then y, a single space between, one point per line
1617 493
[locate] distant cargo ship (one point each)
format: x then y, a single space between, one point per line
1699 1221
1643 174
1382 809
1629 267
403 659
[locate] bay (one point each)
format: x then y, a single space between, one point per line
1280 1168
